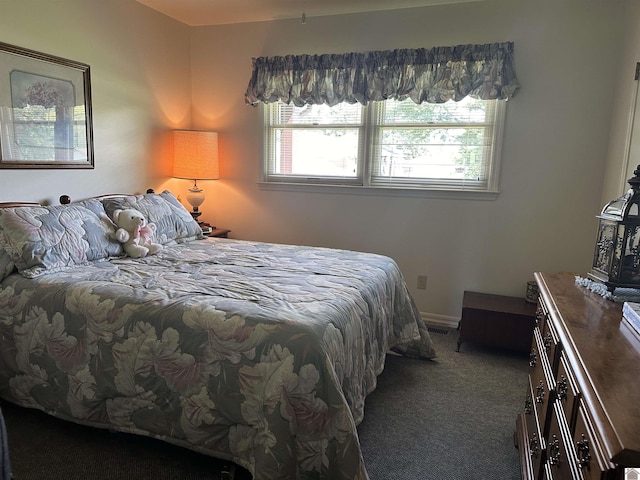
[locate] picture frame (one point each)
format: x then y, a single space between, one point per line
45 111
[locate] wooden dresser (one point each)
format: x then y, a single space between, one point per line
581 415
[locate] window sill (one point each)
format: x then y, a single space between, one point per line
380 191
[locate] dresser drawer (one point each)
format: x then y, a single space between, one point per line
551 345
542 382
542 314
560 457
589 456
534 438
567 392
530 412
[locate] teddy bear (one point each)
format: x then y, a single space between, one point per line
135 233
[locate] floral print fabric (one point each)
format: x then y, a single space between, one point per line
6 264
174 224
257 353
435 75
45 239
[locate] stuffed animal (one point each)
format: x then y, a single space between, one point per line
135 233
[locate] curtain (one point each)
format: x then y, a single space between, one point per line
424 75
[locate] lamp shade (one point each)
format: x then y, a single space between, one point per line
195 155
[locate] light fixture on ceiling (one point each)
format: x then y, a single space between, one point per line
195 157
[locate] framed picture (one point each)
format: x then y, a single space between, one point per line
45 111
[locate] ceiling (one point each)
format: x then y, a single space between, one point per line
219 12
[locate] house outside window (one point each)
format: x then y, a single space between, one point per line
451 146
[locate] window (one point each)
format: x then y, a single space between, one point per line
393 144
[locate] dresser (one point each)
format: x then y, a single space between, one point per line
580 418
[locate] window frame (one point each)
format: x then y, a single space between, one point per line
365 181
269 113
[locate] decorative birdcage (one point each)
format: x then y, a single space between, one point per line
616 261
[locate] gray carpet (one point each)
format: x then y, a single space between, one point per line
447 419
452 418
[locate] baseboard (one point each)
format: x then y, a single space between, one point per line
442 321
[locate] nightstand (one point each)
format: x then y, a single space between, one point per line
218 232
497 321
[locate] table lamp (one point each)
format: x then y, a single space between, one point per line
195 157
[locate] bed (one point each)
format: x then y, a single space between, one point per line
257 353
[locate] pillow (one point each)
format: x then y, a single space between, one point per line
46 239
174 223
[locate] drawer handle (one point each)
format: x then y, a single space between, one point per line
528 404
533 358
554 451
584 455
563 388
534 445
539 314
540 392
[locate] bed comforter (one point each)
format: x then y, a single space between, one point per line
257 353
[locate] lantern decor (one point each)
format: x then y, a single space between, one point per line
616 261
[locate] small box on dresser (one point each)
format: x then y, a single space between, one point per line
580 419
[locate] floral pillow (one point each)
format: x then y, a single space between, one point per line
45 239
174 224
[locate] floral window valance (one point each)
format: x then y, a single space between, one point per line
424 75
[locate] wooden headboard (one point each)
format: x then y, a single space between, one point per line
18 204
66 199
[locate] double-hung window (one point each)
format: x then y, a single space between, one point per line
389 144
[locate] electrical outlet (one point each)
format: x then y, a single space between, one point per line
422 282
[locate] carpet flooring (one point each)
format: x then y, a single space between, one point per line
451 418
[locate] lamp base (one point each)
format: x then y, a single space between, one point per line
195 213
195 197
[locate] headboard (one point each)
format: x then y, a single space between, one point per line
66 199
18 204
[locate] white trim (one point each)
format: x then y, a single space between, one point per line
379 191
493 175
623 187
436 320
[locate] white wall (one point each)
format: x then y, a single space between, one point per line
567 57
140 68
624 144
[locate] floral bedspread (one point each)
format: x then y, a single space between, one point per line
257 353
